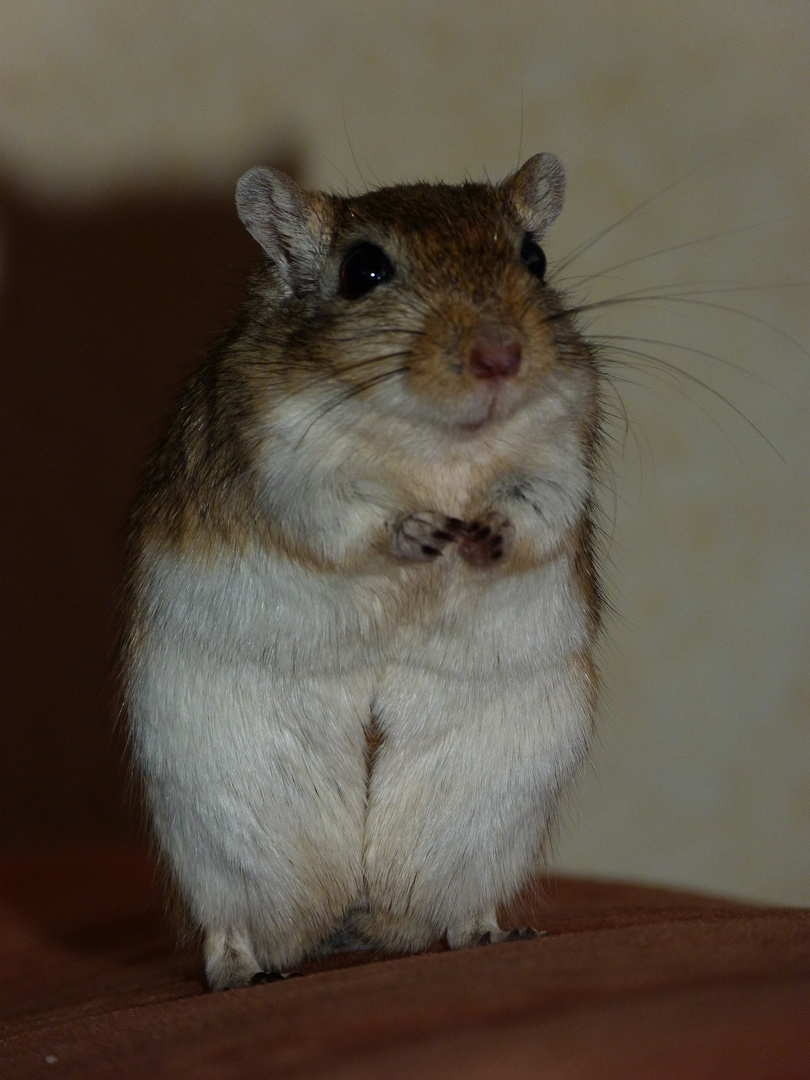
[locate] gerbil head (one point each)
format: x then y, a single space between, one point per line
425 301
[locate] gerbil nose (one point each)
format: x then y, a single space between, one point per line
495 355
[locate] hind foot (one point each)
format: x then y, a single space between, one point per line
231 963
485 931
517 933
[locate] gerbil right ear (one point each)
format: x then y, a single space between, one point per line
536 192
292 225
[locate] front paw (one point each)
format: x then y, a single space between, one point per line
423 536
487 540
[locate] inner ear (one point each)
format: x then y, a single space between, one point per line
293 226
536 192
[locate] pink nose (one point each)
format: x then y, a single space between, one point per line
490 358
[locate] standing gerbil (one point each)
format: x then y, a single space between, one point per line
362 587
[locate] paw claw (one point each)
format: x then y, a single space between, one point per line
524 933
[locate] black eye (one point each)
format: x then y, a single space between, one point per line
364 268
533 257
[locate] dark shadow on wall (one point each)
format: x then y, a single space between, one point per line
103 308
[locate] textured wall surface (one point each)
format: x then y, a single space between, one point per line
702 766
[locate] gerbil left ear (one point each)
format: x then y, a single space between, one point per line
536 192
292 225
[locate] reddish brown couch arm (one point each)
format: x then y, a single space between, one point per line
630 982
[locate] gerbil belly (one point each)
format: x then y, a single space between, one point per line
483 718
249 696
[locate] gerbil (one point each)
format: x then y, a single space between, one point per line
362 591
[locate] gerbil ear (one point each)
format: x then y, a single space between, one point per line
536 192
292 225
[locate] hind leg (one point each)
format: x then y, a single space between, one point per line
464 784
257 791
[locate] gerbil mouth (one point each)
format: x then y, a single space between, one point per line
479 422
463 409
486 405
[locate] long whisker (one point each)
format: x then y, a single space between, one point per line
677 289
598 274
358 365
723 360
580 249
365 335
520 139
348 394
351 148
640 297
679 373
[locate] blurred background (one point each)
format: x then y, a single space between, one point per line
122 131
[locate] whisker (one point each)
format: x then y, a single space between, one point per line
520 139
351 148
679 373
677 289
358 365
348 369
586 245
641 296
680 346
355 390
348 394
365 335
599 274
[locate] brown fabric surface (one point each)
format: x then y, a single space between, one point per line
630 982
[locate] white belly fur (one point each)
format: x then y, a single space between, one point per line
250 697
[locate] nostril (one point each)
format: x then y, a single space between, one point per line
495 361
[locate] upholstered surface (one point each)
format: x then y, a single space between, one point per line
629 982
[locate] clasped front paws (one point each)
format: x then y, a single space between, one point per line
423 536
487 540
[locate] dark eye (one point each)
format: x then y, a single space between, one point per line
533 257
364 268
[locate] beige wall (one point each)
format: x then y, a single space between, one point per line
700 773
